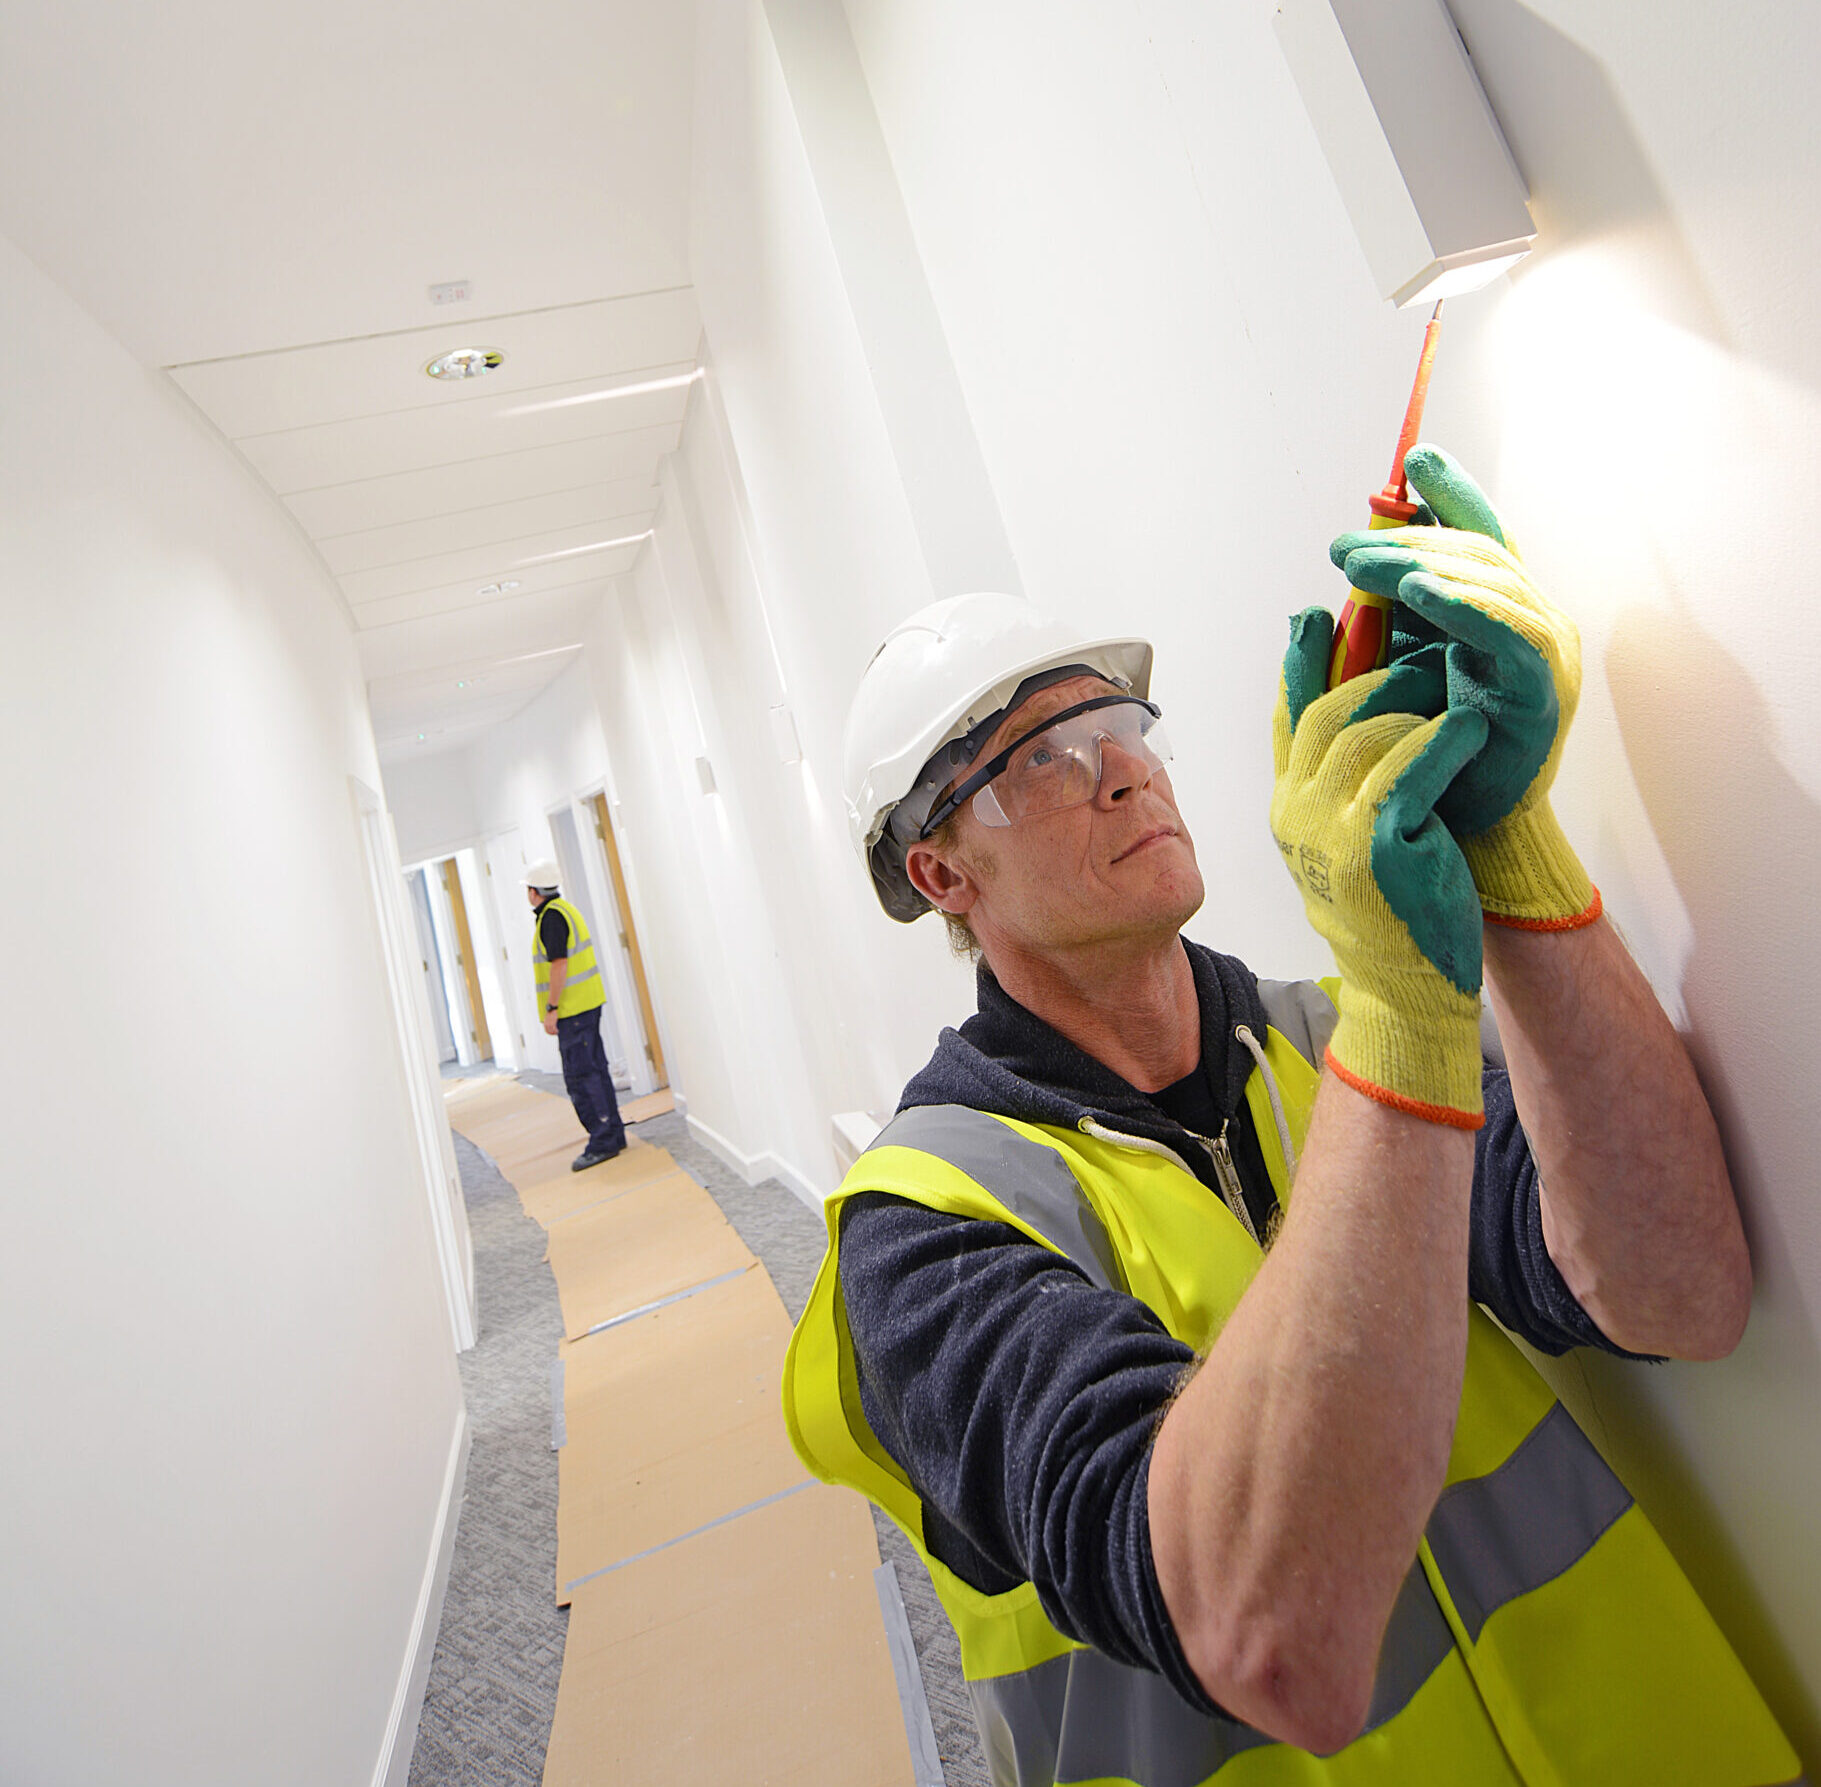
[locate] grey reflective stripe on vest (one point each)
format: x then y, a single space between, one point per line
1500 1536
1305 1016
1301 1013
1030 1180
1083 1717
575 980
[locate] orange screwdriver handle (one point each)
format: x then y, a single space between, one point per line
1362 638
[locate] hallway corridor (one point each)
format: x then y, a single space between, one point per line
492 1691
440 442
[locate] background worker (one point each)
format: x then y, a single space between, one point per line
570 997
1211 1473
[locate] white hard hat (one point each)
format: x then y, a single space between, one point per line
543 874
937 677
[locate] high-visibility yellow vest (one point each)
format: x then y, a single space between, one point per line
1544 1635
582 990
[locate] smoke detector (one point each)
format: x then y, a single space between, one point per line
465 362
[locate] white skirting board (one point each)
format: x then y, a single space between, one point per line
394 1764
754 1167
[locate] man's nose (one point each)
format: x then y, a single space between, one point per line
1122 772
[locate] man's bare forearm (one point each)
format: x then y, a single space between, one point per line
1638 1208
1292 1478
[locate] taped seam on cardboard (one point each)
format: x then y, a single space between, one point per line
764 1501
693 1290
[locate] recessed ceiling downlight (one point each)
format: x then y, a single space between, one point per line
464 362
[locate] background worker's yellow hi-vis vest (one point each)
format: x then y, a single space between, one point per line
582 991
1544 1635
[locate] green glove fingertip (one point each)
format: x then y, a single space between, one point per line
1453 497
1306 660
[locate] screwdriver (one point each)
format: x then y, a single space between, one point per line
1362 640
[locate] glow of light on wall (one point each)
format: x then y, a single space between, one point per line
1590 374
643 388
1633 458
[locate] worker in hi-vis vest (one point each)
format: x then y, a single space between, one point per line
1170 1316
569 998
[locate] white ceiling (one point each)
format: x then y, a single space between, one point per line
260 199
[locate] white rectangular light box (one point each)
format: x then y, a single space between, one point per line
1435 197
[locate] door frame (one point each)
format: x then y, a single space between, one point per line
599 809
401 961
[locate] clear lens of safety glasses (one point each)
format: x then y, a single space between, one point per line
1061 766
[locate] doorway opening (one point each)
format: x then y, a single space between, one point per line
442 1030
578 889
465 962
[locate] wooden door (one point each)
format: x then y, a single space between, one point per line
629 941
464 955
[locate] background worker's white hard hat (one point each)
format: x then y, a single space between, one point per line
938 675
543 874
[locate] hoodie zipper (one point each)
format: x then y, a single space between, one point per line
1225 1172
1228 1175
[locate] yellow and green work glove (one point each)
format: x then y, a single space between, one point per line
1510 655
1359 775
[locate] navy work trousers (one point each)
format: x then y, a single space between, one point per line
589 1081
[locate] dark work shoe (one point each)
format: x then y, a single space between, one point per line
591 1157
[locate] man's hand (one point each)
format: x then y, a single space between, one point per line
1359 774
550 1023
1508 654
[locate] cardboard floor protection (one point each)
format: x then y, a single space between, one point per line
543 1157
560 1195
672 1421
653 1104
523 1135
753 1652
632 1250
478 1101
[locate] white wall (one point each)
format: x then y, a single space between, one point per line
432 802
232 1400
1181 385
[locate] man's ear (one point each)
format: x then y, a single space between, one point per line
948 886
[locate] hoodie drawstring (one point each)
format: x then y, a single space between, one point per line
1277 1103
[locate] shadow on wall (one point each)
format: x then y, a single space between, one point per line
1743 842
1590 179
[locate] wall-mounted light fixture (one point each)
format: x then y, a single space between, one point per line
1435 197
784 733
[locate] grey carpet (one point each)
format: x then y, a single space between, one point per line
492 1692
499 1651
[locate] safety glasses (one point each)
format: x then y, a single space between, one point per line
1059 766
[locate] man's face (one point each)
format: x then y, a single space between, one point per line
531 895
1120 866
